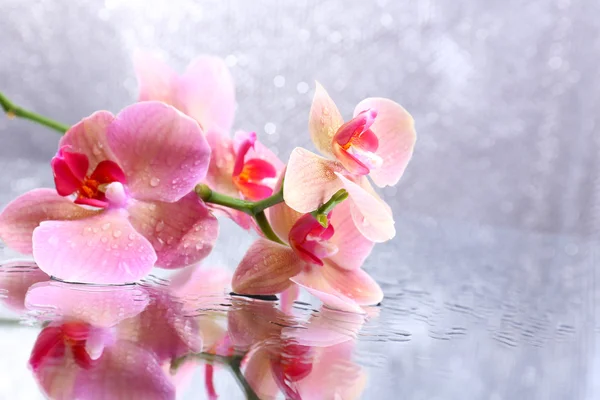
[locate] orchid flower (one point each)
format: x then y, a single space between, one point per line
15 280
205 91
242 168
324 261
378 142
122 201
77 354
311 361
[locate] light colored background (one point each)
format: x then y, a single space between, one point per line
493 270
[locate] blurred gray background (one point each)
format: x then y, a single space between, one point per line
490 282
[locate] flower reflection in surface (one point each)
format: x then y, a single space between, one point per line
147 340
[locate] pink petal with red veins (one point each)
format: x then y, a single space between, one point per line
22 215
310 180
324 120
266 269
258 169
103 249
356 285
206 92
353 247
89 137
254 191
259 151
182 233
69 170
259 374
156 79
395 130
15 279
315 283
48 345
108 171
371 215
96 305
162 152
125 371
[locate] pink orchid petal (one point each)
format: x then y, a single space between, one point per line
101 306
288 297
69 170
266 268
353 247
156 80
125 371
258 169
220 171
315 283
103 249
258 151
49 344
89 137
259 375
163 328
324 120
335 375
22 215
201 287
15 280
326 328
281 216
182 233
371 215
162 152
108 171
206 92
254 191
395 130
251 321
356 285
310 180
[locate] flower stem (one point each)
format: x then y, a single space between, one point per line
233 362
255 209
13 110
265 227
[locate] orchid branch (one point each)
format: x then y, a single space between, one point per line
233 362
13 111
255 209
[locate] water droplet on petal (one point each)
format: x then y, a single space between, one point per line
104 239
131 236
117 233
199 246
106 226
160 226
154 182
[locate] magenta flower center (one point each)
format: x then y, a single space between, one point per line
355 144
310 240
53 341
249 175
71 177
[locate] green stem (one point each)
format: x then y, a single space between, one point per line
233 362
265 227
255 209
13 110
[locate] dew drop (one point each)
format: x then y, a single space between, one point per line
106 226
154 182
53 240
131 236
160 226
117 233
104 239
199 246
